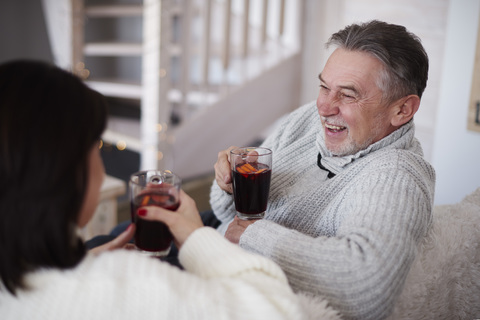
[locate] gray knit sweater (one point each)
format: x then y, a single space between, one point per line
351 238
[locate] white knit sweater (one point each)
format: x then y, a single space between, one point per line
351 238
222 282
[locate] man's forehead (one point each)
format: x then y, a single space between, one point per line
351 70
348 85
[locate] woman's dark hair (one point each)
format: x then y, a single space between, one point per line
49 122
400 51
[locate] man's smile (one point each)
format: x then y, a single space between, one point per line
334 128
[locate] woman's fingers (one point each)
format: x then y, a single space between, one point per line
122 241
181 222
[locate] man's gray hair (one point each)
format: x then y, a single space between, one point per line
400 51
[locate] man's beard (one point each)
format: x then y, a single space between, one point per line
350 146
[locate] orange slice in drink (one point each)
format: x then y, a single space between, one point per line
145 200
248 168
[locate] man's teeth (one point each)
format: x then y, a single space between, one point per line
332 127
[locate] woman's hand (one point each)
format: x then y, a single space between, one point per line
181 222
223 172
119 242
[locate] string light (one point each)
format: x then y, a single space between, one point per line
121 145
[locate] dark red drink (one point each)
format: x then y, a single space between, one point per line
152 236
251 185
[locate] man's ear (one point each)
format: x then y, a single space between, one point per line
403 112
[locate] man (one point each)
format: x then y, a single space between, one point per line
351 195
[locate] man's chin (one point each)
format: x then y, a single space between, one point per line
335 152
341 151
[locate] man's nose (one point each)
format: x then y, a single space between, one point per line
327 105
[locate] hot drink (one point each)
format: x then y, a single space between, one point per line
251 174
153 188
251 185
152 236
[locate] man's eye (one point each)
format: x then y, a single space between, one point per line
347 96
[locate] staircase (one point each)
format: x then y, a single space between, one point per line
197 75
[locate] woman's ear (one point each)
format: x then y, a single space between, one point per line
403 112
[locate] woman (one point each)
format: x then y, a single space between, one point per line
50 176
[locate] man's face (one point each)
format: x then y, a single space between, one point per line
350 102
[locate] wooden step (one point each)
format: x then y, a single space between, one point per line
127 10
117 89
119 10
115 49
134 91
112 49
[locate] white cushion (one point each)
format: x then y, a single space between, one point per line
444 281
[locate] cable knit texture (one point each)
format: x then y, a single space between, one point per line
222 282
351 238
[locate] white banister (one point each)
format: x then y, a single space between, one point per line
155 61
205 47
77 37
186 38
281 23
226 39
246 27
264 21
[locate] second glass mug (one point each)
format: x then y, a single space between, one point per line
251 173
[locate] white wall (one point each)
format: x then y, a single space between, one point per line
456 151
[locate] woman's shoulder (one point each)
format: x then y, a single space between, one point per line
107 267
123 263
110 285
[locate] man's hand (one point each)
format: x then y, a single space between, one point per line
236 228
223 172
119 242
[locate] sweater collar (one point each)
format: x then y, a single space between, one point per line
402 138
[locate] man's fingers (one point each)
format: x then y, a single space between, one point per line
223 173
252 156
244 223
224 164
236 228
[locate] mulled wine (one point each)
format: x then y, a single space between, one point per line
251 186
152 236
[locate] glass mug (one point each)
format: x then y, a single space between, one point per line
251 173
153 188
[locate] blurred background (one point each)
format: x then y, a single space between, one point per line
188 78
